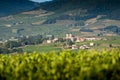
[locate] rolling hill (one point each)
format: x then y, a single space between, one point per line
8 7
58 17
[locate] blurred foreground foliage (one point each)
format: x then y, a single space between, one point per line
64 65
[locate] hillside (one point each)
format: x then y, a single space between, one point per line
8 7
58 17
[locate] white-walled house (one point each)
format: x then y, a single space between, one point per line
55 39
49 41
92 39
84 47
92 44
75 47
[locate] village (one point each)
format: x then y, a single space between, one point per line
72 40
68 42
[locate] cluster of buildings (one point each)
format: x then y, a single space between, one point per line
75 39
80 39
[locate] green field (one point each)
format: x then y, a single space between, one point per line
41 48
65 65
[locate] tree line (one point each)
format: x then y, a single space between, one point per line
16 46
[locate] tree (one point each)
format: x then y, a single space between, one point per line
69 42
12 44
110 45
4 50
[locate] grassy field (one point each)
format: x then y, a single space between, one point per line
65 65
41 48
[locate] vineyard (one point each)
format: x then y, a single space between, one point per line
64 65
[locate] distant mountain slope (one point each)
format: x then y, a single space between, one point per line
14 6
58 17
111 8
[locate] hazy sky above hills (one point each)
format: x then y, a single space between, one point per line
41 0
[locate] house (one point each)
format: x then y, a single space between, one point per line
13 39
74 47
8 25
27 36
55 40
92 44
92 39
84 47
1 42
66 47
49 41
78 39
